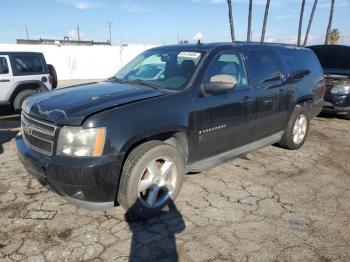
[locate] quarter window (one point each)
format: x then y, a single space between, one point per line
228 63
4 69
264 66
28 64
297 60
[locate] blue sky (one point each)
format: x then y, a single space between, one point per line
157 21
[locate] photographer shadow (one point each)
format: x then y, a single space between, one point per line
153 239
6 136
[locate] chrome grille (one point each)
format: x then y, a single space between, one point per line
38 134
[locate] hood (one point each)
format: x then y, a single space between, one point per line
335 57
71 105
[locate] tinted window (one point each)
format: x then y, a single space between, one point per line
4 69
28 64
264 66
228 63
298 60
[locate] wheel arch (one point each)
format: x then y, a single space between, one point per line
26 85
307 101
176 138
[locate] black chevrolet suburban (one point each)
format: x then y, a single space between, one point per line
170 111
335 61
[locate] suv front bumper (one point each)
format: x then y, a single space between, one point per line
337 103
89 182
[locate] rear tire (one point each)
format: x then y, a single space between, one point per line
347 116
297 129
152 177
20 97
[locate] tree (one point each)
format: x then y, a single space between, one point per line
265 21
249 31
230 17
310 22
301 21
334 36
329 27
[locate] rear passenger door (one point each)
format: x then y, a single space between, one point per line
264 69
225 119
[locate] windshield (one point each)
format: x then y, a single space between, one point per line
164 69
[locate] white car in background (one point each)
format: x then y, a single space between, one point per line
23 74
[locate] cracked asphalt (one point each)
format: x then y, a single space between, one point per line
272 205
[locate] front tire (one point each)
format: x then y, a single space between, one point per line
297 129
152 176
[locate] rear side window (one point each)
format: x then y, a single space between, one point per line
4 69
28 64
264 66
299 60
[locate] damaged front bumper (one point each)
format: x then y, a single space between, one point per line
87 182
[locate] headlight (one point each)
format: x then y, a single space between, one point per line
76 141
340 90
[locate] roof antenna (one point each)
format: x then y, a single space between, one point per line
198 37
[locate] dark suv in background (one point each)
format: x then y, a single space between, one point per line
131 140
335 61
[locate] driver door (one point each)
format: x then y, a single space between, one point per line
225 119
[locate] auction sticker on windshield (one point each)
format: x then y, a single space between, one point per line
193 55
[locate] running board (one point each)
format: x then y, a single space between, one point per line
214 161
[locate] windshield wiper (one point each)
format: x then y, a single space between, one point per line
141 82
136 81
119 80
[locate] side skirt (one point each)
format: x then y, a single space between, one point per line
216 160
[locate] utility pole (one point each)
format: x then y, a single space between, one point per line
265 21
329 27
310 22
27 31
249 31
301 22
231 20
78 33
110 32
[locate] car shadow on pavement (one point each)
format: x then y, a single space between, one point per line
331 115
5 136
153 239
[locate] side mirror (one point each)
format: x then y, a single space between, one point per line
220 83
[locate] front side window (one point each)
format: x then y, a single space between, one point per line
228 63
28 64
264 66
164 69
4 69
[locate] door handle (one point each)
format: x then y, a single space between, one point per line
247 100
4 80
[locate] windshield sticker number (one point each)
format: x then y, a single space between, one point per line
193 55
